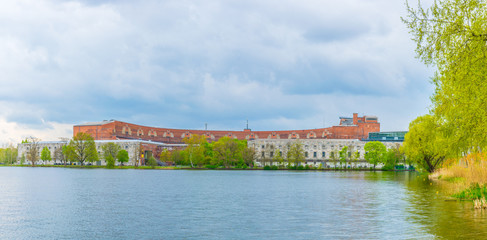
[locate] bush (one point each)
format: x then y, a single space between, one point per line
300 167
290 167
110 161
307 167
274 167
151 162
211 166
267 167
475 191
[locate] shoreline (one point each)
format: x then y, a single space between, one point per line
203 168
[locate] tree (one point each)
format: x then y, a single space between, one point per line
195 149
83 148
334 157
165 156
278 157
295 155
374 152
249 156
46 154
110 161
122 156
9 154
355 157
33 149
226 151
152 162
343 155
137 152
425 144
451 35
110 151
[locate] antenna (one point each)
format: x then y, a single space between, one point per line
247 124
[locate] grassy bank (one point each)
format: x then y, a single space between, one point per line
469 175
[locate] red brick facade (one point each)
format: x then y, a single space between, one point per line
349 128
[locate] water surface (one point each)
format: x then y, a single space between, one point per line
59 203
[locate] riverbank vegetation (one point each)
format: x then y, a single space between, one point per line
451 141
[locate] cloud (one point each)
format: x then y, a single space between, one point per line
282 64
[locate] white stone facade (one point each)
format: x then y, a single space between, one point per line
317 151
130 146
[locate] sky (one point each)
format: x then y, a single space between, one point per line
183 63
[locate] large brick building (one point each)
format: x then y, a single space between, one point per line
349 128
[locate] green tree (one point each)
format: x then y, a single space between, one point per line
46 155
110 161
452 35
249 156
355 157
295 154
110 149
226 151
195 149
122 156
152 162
278 157
374 152
334 157
82 148
425 144
343 156
165 155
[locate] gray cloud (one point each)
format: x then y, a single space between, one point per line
283 64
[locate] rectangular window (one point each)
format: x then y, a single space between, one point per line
306 154
323 154
272 154
263 154
314 154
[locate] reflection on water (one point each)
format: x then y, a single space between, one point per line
46 203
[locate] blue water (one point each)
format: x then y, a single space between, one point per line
59 203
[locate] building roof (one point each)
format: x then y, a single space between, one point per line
95 123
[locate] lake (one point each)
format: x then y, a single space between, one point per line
62 203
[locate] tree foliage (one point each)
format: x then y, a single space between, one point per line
295 154
46 154
425 143
452 36
110 149
82 148
33 149
374 152
122 156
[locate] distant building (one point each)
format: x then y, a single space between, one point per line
354 127
139 150
397 136
316 151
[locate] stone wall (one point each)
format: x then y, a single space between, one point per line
317 151
131 146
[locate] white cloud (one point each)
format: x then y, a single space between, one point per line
285 64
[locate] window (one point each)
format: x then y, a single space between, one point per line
314 154
263 154
323 154
349 154
306 154
263 146
280 153
272 154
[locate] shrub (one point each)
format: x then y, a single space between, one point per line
274 167
211 166
266 167
475 191
300 167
